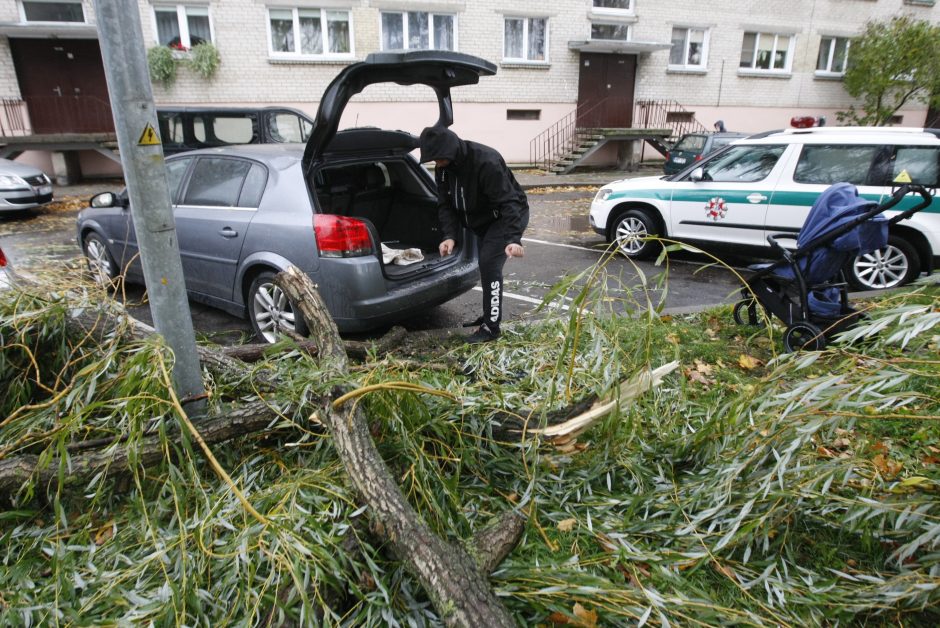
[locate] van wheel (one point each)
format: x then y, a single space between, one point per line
100 263
630 232
270 311
890 267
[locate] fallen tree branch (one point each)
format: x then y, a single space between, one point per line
16 470
455 583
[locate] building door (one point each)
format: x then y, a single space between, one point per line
605 90
63 84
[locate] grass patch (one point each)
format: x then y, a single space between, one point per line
751 488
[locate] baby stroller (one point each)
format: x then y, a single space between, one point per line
806 289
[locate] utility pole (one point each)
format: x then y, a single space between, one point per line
135 121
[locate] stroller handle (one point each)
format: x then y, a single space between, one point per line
899 194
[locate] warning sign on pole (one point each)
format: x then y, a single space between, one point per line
149 137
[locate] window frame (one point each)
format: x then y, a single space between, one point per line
21 6
833 43
298 55
525 40
181 22
614 11
404 27
706 38
788 64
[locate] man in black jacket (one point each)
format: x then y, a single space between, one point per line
476 189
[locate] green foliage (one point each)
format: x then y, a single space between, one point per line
781 490
204 59
162 65
892 64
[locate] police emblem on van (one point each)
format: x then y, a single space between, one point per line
715 208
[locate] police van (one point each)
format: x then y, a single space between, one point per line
765 184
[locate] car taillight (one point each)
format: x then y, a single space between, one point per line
3 259
339 236
667 155
698 158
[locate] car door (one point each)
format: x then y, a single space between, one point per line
121 230
814 167
728 204
220 198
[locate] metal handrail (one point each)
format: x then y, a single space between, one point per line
13 118
560 138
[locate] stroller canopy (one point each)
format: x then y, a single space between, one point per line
821 260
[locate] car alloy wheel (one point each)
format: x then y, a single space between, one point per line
890 267
100 263
271 311
631 232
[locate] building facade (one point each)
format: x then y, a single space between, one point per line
752 63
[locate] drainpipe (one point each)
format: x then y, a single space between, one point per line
135 122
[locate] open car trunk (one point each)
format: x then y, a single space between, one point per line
390 196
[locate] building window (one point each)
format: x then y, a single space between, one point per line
182 26
833 54
417 30
613 32
41 11
767 51
523 114
614 5
525 39
689 47
309 32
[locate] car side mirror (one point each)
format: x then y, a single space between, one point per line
107 199
697 175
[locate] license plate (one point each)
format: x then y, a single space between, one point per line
679 160
46 189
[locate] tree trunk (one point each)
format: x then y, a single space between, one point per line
456 584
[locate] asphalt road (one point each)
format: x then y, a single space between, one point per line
559 244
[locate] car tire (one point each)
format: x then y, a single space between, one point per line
890 267
803 336
270 311
101 265
629 230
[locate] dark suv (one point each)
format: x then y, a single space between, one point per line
693 147
189 128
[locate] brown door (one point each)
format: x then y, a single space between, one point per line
605 90
63 84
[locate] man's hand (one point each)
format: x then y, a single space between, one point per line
446 247
514 250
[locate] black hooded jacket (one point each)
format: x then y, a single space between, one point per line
476 188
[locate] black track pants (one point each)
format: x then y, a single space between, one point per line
491 245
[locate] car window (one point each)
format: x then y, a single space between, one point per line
216 181
288 127
175 169
253 187
718 142
693 143
828 164
171 129
922 164
743 164
233 130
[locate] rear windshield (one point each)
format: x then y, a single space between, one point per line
691 143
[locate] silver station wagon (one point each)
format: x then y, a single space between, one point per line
353 209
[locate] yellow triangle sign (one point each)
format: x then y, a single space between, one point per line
149 137
902 177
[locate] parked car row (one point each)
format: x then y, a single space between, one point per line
766 184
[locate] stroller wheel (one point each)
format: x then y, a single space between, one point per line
803 336
745 312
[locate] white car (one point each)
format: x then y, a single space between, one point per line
766 184
22 186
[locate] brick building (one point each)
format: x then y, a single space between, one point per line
752 63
